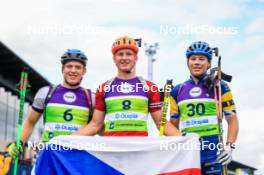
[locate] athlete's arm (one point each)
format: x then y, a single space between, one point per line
34 113
174 113
156 112
233 128
170 130
94 126
175 122
29 124
229 110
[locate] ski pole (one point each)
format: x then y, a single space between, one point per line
221 140
22 93
218 104
167 90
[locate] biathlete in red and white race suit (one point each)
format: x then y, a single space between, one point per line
123 103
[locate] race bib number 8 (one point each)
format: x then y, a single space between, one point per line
126 104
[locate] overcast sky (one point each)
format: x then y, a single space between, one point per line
40 31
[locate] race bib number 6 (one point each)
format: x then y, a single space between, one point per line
67 115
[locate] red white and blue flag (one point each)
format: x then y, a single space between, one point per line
120 155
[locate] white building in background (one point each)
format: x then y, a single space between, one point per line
11 66
9 112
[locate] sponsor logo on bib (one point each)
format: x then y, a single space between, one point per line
124 115
195 92
112 125
193 122
69 97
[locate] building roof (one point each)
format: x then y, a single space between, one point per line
234 165
11 67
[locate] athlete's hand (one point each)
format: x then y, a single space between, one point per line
225 156
14 151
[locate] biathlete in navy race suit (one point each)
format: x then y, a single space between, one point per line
194 108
